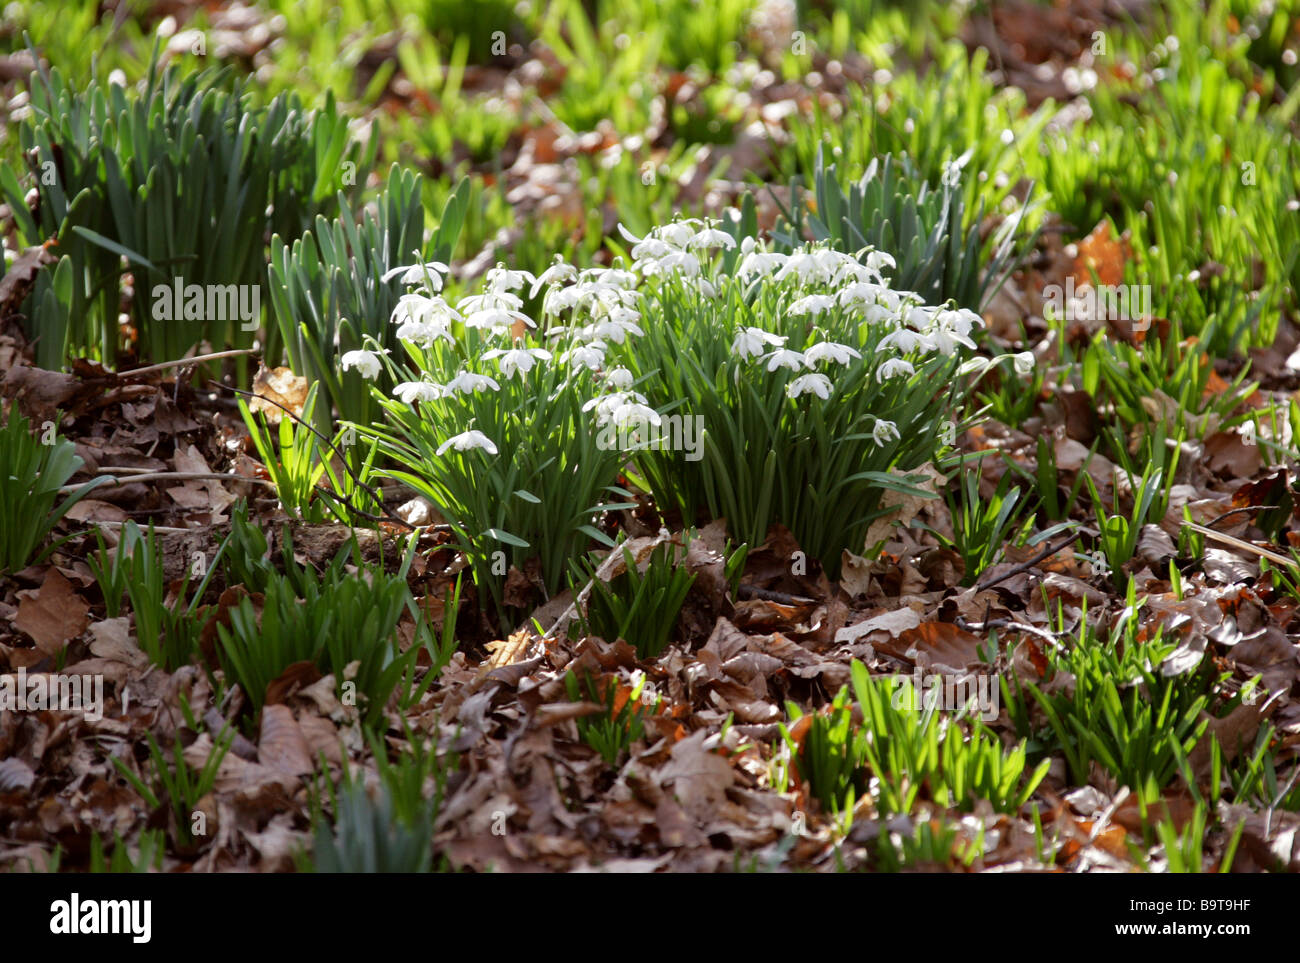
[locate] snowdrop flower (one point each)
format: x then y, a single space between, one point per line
680 262
468 441
490 300
619 378
893 368
861 293
588 355
905 340
616 329
1024 362
631 412
679 233
499 320
651 249
884 432
784 358
804 266
423 310
818 384
813 304
712 237
501 279
413 391
517 359
430 273
366 362
946 339
960 320
757 262
829 351
706 288
467 383
607 405
749 342
557 273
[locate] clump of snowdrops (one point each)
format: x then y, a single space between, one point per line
725 379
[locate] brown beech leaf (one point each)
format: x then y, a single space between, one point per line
281 745
54 616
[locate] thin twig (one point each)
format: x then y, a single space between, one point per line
198 359
172 476
1241 544
1025 566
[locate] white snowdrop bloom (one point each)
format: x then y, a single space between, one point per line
893 368
784 358
468 441
429 273
960 320
467 382
651 249
606 405
517 359
609 277
633 413
619 378
884 432
679 233
802 266
677 262
590 355
879 314
752 342
879 260
829 351
366 362
818 384
905 340
500 278
422 309
557 273
759 263
558 300
850 270
412 391
945 339
614 330
1024 362
490 300
813 304
861 293
712 237
424 333
919 317
499 320
706 288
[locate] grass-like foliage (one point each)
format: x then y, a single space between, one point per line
32 470
332 620
613 731
642 603
167 632
179 180
909 747
1123 712
390 831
